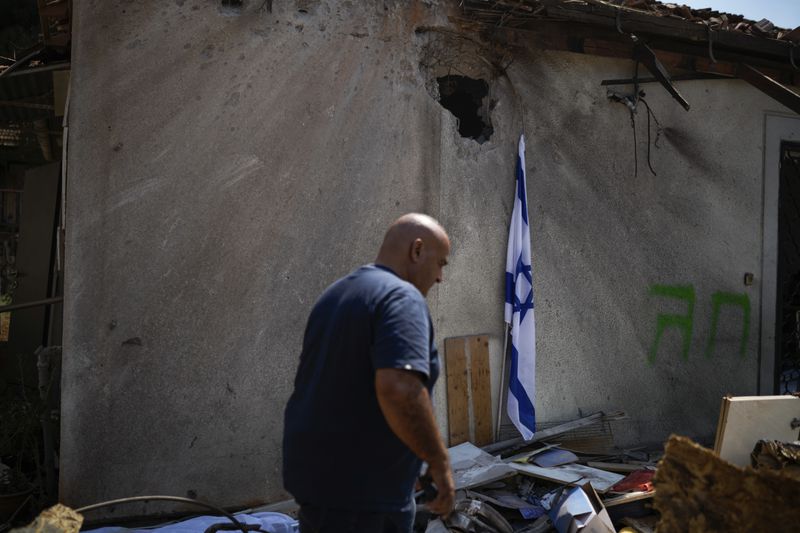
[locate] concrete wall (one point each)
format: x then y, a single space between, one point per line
225 166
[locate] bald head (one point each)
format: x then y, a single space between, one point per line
415 247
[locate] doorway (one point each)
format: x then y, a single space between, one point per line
787 335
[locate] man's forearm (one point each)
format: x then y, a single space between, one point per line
408 410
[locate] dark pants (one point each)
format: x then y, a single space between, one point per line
314 519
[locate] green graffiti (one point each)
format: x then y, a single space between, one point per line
682 322
718 299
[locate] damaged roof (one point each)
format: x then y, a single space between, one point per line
660 36
513 12
718 20
666 26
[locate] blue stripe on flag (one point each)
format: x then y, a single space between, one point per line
521 189
509 288
527 413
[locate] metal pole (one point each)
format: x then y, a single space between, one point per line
38 303
21 61
502 383
36 70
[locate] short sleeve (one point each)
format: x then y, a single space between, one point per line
402 332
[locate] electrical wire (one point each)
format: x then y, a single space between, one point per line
658 133
635 155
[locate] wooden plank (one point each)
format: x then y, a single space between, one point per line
481 389
622 468
751 418
457 399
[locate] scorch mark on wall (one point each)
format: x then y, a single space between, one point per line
685 322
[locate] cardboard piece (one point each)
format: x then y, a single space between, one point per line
580 509
744 420
473 467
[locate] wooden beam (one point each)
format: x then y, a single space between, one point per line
597 40
648 58
770 87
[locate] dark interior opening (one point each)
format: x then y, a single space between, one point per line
787 336
464 98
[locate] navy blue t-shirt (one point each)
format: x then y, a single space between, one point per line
338 450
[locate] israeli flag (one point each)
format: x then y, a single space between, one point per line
519 310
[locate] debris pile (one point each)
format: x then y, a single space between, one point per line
555 483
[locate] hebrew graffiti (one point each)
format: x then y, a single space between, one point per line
718 299
685 322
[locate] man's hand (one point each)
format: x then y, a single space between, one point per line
442 477
407 407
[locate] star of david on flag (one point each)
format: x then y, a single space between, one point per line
519 310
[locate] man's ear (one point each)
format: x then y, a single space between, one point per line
416 250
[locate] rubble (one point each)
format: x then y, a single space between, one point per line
781 456
546 487
56 519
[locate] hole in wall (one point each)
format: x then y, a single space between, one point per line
465 98
231 7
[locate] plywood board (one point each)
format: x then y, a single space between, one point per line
457 390
570 474
481 389
744 420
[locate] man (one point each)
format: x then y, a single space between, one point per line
360 420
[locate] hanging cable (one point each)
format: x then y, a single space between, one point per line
635 155
219 510
658 132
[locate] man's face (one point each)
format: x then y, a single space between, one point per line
429 259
